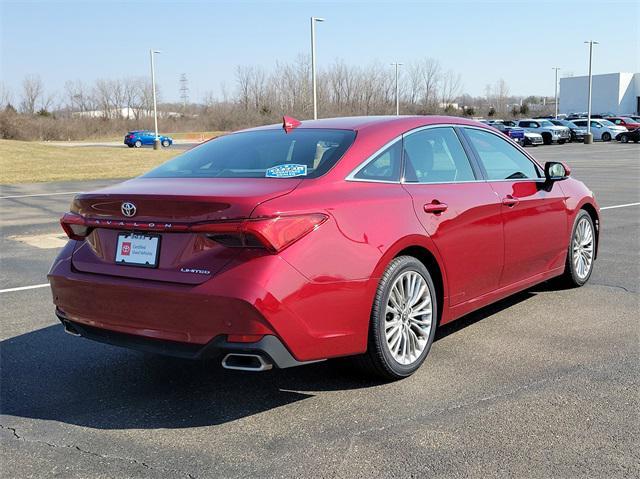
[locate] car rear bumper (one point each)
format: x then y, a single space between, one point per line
244 302
268 347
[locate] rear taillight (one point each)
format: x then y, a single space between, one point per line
74 226
274 233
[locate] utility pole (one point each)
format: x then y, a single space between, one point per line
589 138
396 64
313 65
184 91
156 140
556 85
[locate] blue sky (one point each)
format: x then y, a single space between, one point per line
482 40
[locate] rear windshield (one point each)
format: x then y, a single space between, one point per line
258 154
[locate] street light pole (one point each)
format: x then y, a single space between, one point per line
313 65
156 140
556 94
396 64
589 138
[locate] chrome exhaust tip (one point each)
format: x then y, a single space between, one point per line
70 329
246 362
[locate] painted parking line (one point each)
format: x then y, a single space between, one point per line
40 194
24 288
619 206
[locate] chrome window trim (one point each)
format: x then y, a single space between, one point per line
441 125
351 176
518 148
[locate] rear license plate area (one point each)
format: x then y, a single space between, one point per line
138 249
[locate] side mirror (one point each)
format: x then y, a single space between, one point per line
555 171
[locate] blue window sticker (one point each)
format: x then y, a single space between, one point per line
286 171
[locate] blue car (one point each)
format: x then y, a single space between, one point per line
135 139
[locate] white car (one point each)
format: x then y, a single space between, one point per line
549 131
533 139
601 129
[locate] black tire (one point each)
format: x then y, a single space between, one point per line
624 138
570 277
138 144
606 136
378 359
165 143
129 145
546 138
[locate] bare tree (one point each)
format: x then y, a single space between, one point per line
244 75
451 87
6 95
32 91
78 96
501 91
424 79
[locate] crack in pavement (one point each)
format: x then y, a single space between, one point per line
428 415
91 453
615 286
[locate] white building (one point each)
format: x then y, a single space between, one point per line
617 93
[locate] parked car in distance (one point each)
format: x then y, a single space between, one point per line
532 139
138 138
634 118
627 122
601 129
288 244
511 130
577 133
575 116
627 136
549 131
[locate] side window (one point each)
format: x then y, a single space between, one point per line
500 159
580 123
535 124
595 124
385 166
435 155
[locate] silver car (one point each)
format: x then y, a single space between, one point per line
549 131
601 129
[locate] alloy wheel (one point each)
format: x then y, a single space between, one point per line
408 317
583 248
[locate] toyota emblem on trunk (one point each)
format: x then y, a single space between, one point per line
128 209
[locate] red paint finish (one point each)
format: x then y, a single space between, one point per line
316 288
535 228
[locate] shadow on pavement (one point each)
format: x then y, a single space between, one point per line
47 374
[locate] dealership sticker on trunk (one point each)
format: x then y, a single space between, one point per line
137 249
286 171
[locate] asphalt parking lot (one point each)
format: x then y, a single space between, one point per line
543 384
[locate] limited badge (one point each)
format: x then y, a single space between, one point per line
286 171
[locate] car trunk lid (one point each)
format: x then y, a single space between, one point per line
164 208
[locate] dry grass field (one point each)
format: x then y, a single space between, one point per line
31 162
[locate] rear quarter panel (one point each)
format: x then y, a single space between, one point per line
343 259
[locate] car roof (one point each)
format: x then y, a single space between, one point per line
362 123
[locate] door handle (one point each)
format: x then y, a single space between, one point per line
435 207
510 201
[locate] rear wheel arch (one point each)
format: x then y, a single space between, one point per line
589 208
428 259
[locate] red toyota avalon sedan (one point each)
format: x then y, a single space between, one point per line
294 243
